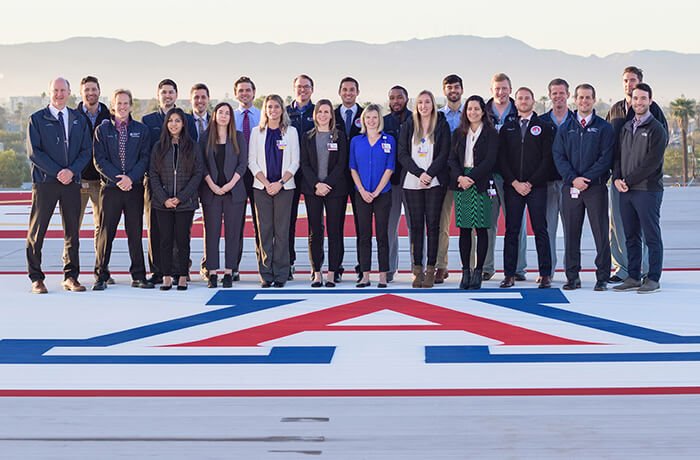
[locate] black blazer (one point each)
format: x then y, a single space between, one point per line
337 164
528 159
340 122
485 157
171 182
441 152
232 164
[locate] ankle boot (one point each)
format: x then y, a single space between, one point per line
417 276
429 279
466 279
475 283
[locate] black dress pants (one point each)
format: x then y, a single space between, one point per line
115 202
379 209
174 226
335 215
536 202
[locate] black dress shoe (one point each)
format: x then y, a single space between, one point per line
615 279
278 284
330 284
317 284
181 288
572 284
519 277
111 281
382 285
363 285
227 281
156 279
600 286
486 276
142 283
508 281
265 284
100 285
545 282
236 276
166 287
213 281
359 278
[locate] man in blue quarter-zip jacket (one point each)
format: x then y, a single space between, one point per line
59 147
583 155
122 154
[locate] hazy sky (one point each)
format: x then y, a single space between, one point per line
598 27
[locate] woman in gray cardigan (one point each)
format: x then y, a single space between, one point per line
174 177
222 192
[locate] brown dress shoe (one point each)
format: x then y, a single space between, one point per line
72 284
38 287
441 275
545 282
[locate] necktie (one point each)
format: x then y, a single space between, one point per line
583 122
64 138
246 125
348 122
523 127
200 128
122 145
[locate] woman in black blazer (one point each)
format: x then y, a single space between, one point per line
424 146
174 176
324 162
472 160
222 192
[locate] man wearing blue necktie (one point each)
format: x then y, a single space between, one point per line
59 145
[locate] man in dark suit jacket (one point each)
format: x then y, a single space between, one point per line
347 118
58 146
167 97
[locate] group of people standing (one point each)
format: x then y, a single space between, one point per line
478 157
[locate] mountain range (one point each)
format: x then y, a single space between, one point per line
25 69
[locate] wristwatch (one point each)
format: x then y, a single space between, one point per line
282 181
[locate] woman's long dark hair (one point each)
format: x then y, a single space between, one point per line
213 129
186 145
464 120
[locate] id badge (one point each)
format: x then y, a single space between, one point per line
574 192
281 144
422 151
386 147
332 146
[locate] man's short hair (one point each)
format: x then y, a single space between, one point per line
347 80
198 86
524 88
635 70
558 82
584 86
303 75
451 80
501 77
167 82
90 79
400 88
243 79
644 87
119 91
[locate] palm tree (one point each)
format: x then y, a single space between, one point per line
683 109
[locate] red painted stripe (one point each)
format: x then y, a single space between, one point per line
610 391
